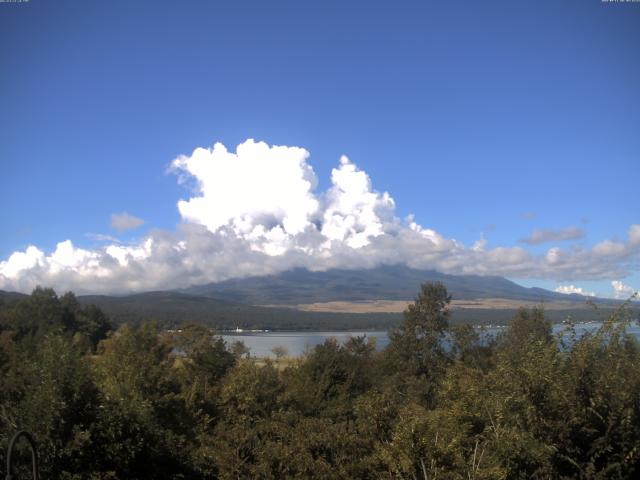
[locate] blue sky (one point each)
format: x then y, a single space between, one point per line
482 119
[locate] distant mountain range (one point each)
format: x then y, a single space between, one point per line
396 282
271 302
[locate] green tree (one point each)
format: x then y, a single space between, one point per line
416 350
328 380
145 425
48 391
204 363
249 395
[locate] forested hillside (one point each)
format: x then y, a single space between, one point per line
172 308
142 403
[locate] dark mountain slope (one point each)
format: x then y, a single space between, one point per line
7 298
301 286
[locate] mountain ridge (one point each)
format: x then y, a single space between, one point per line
387 282
279 301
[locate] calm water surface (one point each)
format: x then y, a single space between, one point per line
260 344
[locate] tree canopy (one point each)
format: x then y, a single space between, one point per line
441 402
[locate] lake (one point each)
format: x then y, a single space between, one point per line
260 344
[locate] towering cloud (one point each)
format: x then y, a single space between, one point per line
254 191
257 211
353 212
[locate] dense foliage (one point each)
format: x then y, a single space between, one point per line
439 402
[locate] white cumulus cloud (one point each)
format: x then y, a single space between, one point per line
353 212
18 262
569 289
254 191
622 291
257 211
